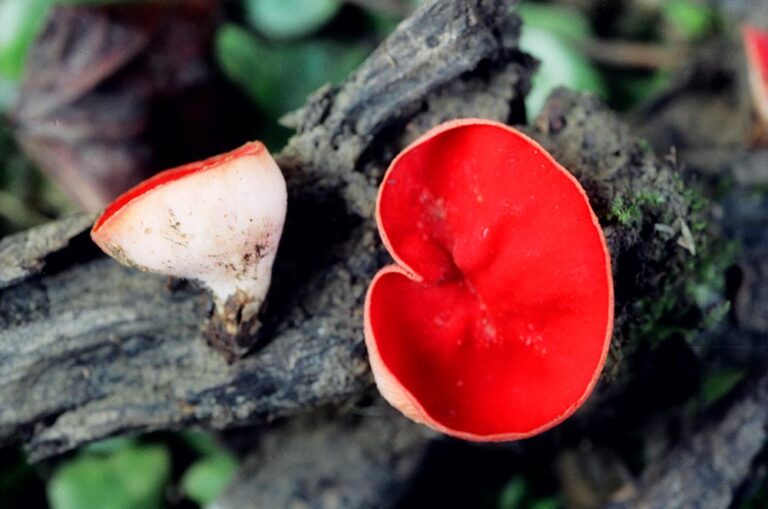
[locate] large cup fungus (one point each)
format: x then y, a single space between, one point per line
495 321
756 47
217 221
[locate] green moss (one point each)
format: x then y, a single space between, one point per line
651 198
691 298
627 210
652 326
693 196
645 146
624 212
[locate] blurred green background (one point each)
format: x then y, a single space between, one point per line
276 52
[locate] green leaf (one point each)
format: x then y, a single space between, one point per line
205 444
383 24
20 21
110 445
205 479
630 89
278 77
130 478
111 2
289 19
719 383
559 20
545 503
512 494
549 33
693 20
561 65
16 480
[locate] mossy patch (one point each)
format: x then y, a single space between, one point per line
694 301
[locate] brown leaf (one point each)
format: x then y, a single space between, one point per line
114 93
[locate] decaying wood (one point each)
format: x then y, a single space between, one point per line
89 349
641 201
341 462
745 210
25 256
628 54
704 470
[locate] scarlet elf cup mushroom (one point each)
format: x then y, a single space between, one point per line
756 47
216 221
495 320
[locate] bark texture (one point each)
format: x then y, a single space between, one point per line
704 470
656 234
90 349
342 462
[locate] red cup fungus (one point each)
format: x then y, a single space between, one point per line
756 47
495 321
217 221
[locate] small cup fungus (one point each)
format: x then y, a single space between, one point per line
495 321
756 47
216 221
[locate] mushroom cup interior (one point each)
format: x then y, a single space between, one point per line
498 322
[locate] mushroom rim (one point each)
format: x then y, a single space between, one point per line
171 175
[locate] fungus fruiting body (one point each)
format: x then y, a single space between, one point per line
217 221
495 320
756 47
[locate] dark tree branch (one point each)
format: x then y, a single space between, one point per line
89 349
704 470
652 228
345 462
25 255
